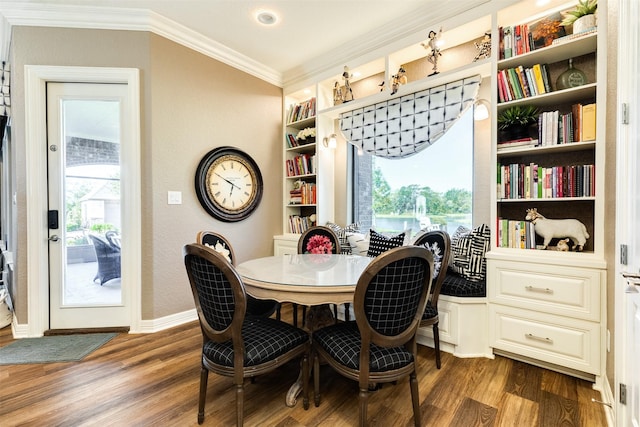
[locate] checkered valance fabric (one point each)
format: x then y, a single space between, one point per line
403 126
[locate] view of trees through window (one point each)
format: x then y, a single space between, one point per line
429 190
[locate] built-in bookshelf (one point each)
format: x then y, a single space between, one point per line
558 170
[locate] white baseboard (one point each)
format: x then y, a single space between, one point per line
146 326
156 325
606 395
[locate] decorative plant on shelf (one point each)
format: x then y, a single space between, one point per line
307 135
584 8
515 121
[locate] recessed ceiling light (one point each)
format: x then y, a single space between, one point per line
266 18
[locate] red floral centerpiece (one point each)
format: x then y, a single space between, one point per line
319 245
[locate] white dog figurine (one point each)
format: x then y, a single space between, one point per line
558 228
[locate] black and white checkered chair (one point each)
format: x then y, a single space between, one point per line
380 345
255 306
235 345
439 243
317 230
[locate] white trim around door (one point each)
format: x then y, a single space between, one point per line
36 77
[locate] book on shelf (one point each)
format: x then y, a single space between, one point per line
523 38
574 36
522 142
299 224
301 111
515 234
532 181
589 122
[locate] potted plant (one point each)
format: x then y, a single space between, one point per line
582 17
515 121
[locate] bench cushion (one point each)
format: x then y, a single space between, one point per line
457 286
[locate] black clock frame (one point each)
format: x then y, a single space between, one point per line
208 203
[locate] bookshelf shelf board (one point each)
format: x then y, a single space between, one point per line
565 96
554 53
299 205
548 199
308 148
301 124
310 175
572 147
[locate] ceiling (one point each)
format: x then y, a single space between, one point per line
308 31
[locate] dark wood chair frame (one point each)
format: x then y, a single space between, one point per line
254 306
443 239
406 337
234 332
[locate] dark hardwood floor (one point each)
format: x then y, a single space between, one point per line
152 379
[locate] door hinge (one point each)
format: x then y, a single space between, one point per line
624 111
623 254
623 394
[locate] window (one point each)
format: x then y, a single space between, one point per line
432 189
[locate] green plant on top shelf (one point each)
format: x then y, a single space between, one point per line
517 116
583 8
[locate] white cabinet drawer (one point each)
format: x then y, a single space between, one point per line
566 291
567 342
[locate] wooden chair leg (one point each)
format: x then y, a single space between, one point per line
239 404
436 344
304 315
305 382
363 397
316 380
295 314
347 315
204 376
413 382
278 311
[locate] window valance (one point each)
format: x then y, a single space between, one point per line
403 126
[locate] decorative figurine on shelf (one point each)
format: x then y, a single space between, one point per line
337 94
484 47
558 228
563 245
348 93
398 79
434 49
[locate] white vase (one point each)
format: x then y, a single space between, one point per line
584 23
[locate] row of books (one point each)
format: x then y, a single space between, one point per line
531 181
299 224
303 164
519 82
556 128
519 39
301 111
516 234
293 142
305 194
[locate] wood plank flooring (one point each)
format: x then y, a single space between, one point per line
152 380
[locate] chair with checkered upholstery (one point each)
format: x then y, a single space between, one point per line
255 306
380 345
439 243
306 245
235 345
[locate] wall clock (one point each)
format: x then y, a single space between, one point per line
228 184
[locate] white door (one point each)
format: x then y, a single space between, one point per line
84 135
627 298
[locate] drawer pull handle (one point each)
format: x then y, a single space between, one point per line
534 289
537 338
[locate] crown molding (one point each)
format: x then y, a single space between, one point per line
47 15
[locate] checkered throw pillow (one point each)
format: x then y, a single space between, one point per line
341 232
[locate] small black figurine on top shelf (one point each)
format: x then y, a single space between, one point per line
434 49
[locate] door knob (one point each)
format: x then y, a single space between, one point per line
54 238
633 280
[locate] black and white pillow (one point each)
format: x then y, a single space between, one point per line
341 232
379 243
468 249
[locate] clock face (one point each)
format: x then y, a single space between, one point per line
228 184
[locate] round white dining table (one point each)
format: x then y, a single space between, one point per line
307 279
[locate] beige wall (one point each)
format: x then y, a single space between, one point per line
190 104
